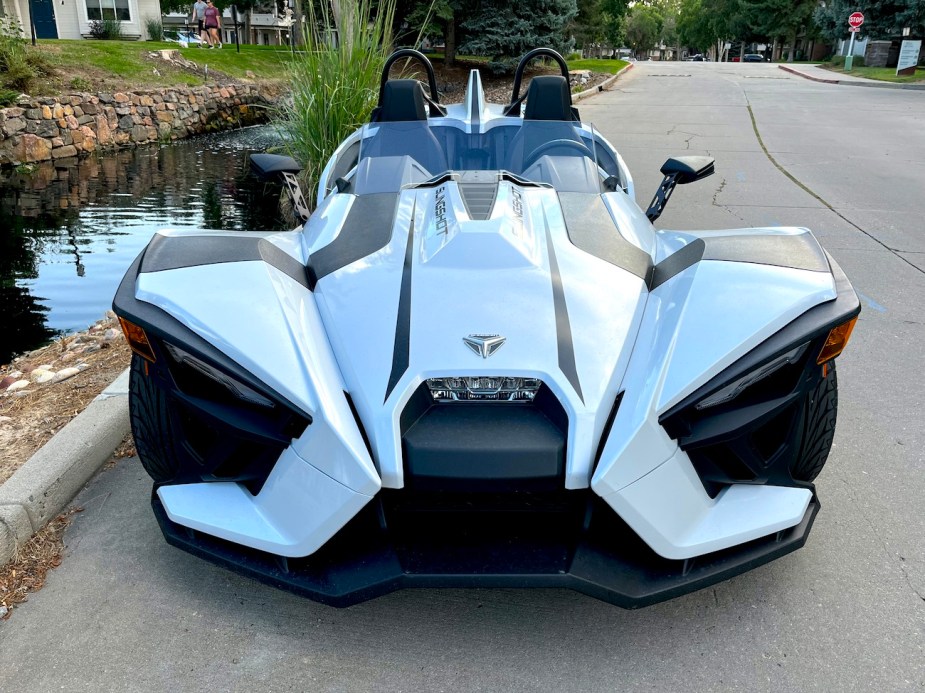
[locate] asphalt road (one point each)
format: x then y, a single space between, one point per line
847 612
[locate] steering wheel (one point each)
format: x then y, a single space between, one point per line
551 144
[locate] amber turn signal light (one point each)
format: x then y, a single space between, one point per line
137 339
836 341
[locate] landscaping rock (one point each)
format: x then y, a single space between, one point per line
66 373
39 376
75 125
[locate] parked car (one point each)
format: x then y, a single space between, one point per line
753 58
188 37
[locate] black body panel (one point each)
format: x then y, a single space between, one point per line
367 228
175 252
575 542
484 447
488 447
591 228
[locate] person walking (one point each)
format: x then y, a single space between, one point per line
213 23
198 16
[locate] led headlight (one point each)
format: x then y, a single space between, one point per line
735 388
479 388
236 388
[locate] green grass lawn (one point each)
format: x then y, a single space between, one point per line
87 65
884 74
81 63
595 65
598 65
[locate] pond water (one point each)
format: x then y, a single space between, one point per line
68 233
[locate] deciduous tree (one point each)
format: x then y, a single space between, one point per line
643 25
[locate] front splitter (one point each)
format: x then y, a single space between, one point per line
604 558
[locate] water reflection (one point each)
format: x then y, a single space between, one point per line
68 232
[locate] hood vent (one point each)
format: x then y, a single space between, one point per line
479 198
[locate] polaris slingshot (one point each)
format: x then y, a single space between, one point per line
477 363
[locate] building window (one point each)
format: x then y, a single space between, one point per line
108 9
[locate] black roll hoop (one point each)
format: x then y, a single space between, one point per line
421 58
513 108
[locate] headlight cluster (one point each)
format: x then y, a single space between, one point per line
481 388
234 387
734 388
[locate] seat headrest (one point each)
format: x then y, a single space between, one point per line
403 99
549 98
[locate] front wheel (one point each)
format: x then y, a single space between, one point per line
818 428
152 424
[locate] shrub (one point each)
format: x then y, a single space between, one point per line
502 66
335 82
8 97
154 28
18 76
839 61
38 62
81 84
16 73
106 29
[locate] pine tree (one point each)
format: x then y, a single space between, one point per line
505 31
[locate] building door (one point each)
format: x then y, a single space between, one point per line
43 16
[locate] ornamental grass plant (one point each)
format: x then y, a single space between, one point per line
335 81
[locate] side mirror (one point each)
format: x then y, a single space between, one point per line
272 166
269 167
688 169
678 171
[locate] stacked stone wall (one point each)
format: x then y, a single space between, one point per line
41 129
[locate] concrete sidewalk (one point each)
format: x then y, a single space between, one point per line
50 479
820 74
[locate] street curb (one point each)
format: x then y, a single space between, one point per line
855 83
600 87
49 480
806 76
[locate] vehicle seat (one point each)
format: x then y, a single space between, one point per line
549 98
402 100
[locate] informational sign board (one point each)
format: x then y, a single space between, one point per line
854 29
908 57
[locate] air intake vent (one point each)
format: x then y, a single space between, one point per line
479 199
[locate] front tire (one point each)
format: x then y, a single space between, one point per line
152 424
818 428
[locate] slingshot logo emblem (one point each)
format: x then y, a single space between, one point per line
484 344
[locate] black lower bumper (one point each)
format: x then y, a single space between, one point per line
578 543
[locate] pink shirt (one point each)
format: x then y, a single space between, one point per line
211 16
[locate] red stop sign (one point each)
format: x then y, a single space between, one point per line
855 19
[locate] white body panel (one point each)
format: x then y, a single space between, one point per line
669 509
296 512
378 325
462 283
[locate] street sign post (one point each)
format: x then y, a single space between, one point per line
855 20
